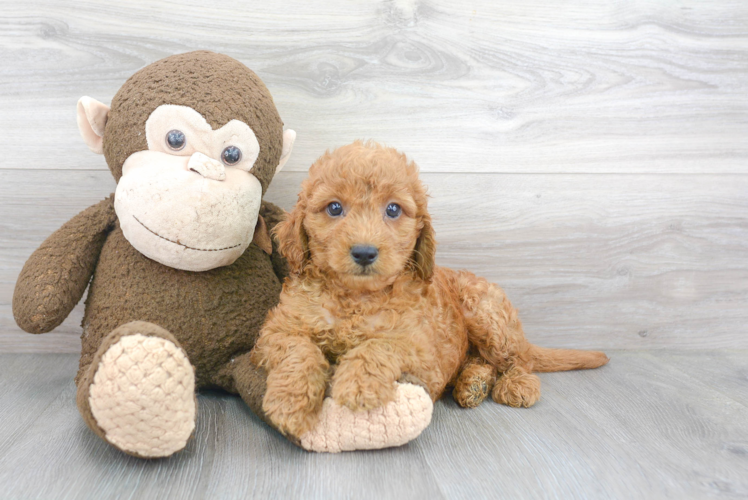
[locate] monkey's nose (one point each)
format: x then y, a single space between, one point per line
207 167
364 255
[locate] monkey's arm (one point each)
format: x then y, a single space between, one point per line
54 278
273 215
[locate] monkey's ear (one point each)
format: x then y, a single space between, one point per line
289 136
92 116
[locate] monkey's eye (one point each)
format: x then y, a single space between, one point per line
176 140
393 210
231 155
334 209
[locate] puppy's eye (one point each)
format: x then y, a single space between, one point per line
334 209
231 155
175 139
393 210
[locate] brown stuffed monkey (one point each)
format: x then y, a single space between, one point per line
179 262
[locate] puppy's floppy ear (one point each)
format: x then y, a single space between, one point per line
424 253
293 242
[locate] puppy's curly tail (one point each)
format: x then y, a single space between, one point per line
559 360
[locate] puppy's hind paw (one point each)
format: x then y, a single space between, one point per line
396 423
517 388
473 385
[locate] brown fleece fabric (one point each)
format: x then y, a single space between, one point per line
214 316
53 280
219 87
249 382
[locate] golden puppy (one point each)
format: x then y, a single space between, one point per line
365 296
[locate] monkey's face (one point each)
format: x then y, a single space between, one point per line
189 200
193 140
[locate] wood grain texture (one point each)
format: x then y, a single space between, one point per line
723 371
639 427
590 158
477 86
604 261
635 429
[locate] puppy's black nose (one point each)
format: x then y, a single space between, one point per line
364 254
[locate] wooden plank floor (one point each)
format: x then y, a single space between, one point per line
651 424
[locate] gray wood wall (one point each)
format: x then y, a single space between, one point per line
590 157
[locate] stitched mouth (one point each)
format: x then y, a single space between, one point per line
182 244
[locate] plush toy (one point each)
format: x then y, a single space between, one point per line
179 263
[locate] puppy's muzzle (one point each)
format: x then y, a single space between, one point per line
364 255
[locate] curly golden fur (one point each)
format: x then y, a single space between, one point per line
360 328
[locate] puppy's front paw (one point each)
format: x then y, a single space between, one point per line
355 388
289 422
292 411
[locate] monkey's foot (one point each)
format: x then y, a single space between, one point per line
396 423
142 396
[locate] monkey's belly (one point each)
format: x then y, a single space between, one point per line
216 315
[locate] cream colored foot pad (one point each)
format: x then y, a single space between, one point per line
400 421
143 396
